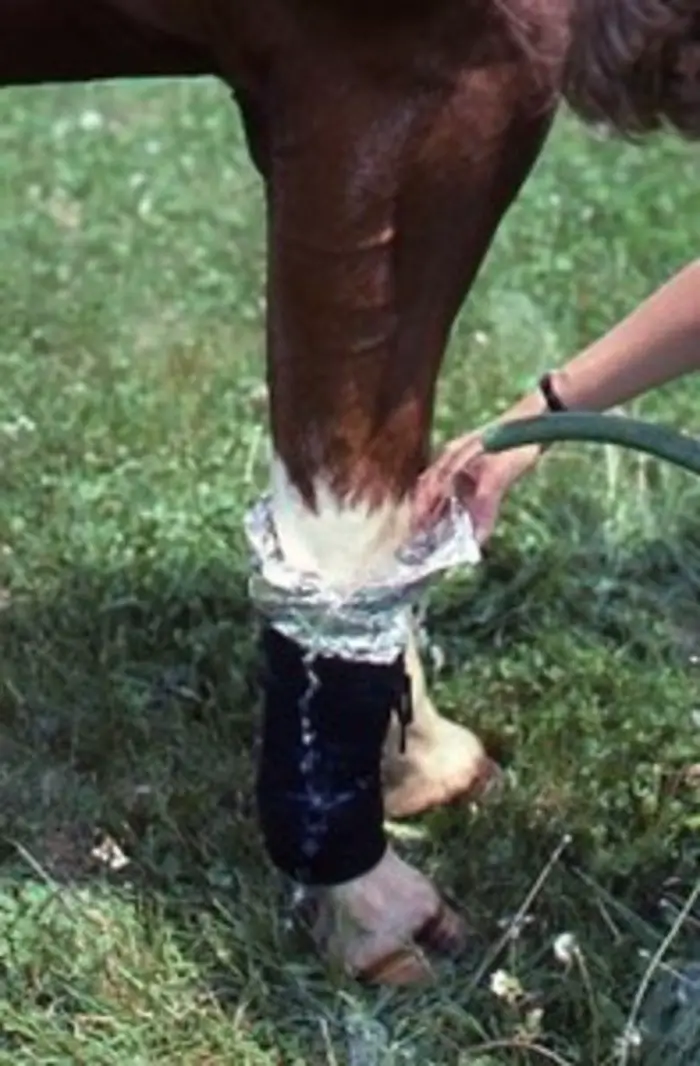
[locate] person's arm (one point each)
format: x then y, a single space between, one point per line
657 343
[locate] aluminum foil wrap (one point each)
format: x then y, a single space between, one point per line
368 624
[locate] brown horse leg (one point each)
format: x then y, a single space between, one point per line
383 202
85 40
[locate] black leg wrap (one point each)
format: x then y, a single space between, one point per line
319 785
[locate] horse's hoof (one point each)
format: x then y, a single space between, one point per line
454 767
405 966
381 927
444 933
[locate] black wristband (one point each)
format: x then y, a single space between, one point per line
551 397
319 786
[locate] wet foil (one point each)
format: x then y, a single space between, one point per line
368 624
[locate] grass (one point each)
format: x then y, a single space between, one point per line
132 423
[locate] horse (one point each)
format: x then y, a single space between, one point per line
391 138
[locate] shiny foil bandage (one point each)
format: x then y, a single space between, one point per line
369 624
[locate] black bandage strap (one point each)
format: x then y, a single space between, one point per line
319 778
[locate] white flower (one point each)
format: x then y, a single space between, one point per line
109 854
565 948
505 986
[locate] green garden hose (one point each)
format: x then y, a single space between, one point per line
660 441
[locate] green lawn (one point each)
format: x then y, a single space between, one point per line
132 437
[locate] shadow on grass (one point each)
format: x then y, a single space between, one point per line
128 708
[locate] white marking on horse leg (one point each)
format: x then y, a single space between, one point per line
346 544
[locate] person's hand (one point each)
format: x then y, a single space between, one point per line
480 480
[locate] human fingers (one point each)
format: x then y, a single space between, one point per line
437 483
